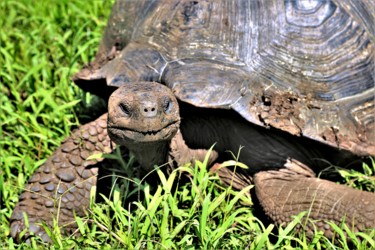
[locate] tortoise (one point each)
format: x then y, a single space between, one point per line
290 81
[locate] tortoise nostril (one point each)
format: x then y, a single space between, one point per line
149 109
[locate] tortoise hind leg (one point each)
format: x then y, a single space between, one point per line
295 189
62 184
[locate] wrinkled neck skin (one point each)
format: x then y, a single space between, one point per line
149 154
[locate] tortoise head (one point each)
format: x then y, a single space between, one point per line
142 112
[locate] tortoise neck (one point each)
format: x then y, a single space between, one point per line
149 154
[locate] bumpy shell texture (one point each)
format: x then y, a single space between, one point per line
305 67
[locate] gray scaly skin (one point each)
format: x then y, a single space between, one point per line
294 189
284 193
63 183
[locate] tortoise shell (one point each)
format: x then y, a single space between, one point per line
305 67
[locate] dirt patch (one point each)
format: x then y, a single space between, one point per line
280 111
333 137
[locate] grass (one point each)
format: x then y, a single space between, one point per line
42 44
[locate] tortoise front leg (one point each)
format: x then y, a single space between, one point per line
181 154
63 183
294 189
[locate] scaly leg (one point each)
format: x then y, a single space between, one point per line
294 189
180 153
62 184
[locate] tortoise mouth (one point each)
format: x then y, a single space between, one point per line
123 135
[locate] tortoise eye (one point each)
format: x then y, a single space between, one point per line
167 105
125 109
